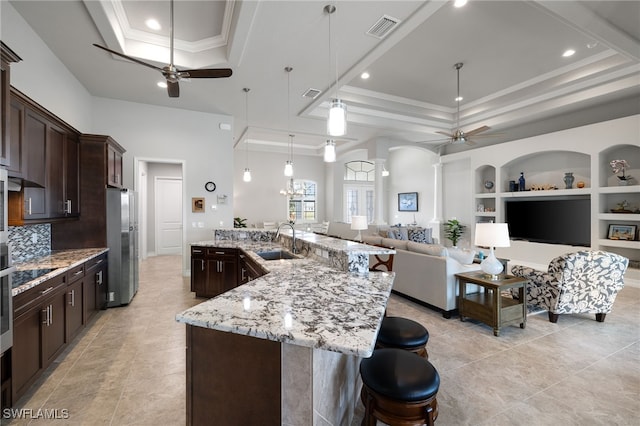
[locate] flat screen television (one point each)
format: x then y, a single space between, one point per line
550 220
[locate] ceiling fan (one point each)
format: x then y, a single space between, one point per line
170 72
460 136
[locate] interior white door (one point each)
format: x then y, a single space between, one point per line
168 214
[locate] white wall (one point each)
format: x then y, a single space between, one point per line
152 132
260 199
410 170
40 75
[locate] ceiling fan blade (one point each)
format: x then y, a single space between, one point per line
476 131
450 135
173 88
207 73
469 142
137 61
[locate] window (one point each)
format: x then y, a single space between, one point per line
361 171
302 204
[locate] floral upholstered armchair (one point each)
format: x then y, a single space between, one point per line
580 282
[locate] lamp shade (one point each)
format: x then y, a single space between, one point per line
359 222
246 176
330 152
492 235
337 122
288 168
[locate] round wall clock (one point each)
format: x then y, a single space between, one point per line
210 186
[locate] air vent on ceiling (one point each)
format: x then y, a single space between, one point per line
383 26
311 93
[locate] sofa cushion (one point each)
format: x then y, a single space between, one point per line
431 249
462 255
398 244
420 235
372 239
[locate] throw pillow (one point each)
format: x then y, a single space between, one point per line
420 235
402 234
463 256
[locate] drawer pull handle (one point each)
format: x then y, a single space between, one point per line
78 273
220 252
46 291
98 262
197 251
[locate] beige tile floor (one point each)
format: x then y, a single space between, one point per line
128 366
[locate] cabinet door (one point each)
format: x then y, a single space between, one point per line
114 167
229 273
17 161
26 352
4 112
74 308
35 206
72 176
54 330
55 172
214 284
198 275
35 137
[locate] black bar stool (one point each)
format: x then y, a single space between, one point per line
399 388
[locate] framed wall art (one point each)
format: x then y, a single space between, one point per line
408 201
197 205
622 232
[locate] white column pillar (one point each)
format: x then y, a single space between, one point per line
437 201
379 193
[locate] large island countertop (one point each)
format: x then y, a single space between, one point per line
302 302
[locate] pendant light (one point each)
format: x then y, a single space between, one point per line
246 176
330 151
337 121
288 167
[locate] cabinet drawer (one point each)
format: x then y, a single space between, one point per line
95 263
218 252
75 273
32 296
197 251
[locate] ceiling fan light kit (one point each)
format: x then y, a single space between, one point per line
172 74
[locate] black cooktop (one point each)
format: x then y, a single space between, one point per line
22 277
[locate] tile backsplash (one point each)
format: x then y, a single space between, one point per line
29 241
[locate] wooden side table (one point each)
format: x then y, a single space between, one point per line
491 307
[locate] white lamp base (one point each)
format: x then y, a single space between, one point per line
491 265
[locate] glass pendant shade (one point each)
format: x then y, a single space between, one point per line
337 122
246 176
288 168
330 152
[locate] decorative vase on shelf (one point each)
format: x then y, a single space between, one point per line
521 182
568 180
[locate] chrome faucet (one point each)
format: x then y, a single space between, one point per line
294 249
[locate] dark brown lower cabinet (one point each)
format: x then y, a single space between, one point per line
47 317
232 379
213 270
39 332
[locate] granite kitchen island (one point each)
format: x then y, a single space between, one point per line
285 348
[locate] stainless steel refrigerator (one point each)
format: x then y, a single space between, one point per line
122 240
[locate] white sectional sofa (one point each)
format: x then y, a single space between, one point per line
426 272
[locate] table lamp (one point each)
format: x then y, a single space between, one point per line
359 223
492 235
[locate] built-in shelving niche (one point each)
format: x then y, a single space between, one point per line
548 168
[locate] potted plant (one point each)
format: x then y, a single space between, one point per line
453 230
239 222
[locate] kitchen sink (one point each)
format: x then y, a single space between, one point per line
275 255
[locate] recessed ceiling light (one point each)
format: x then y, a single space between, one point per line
153 24
365 75
459 98
162 84
459 3
568 52
592 44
